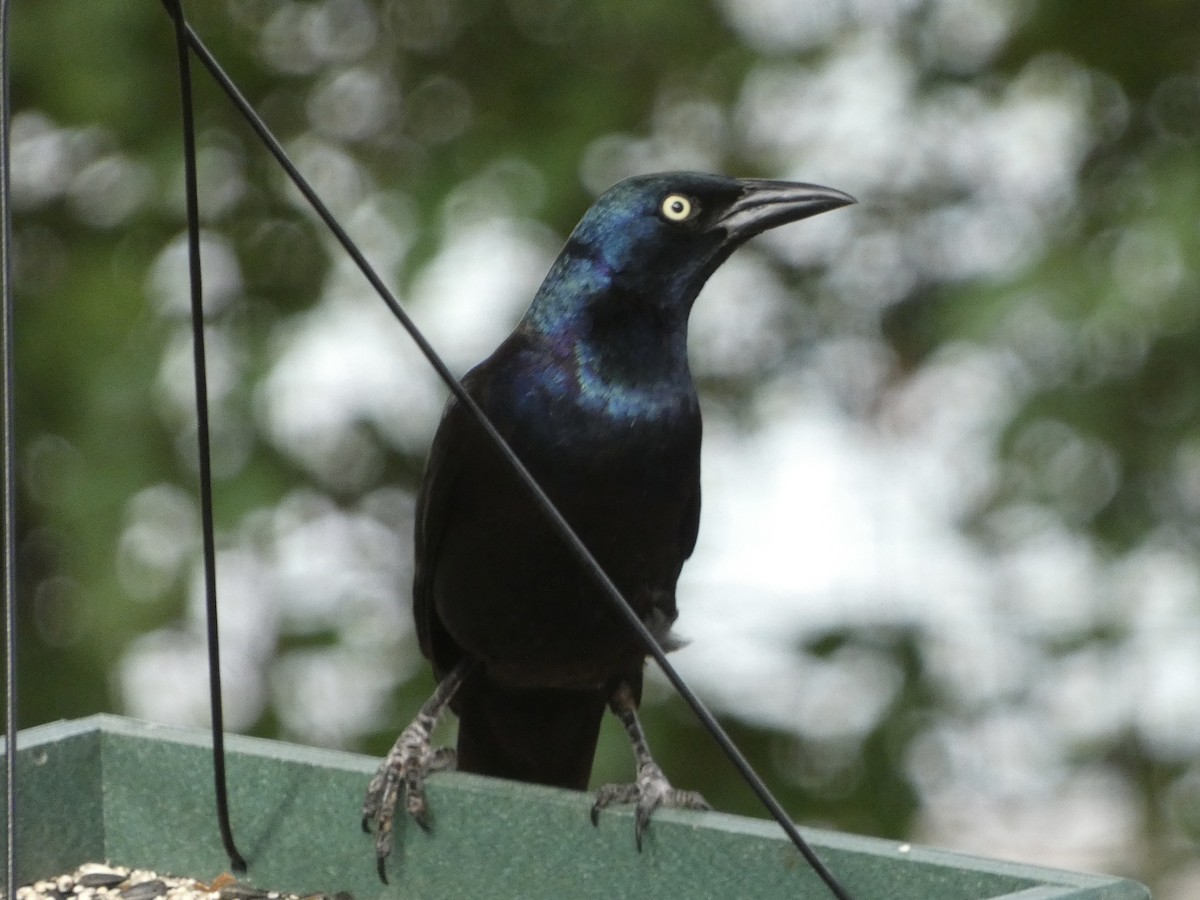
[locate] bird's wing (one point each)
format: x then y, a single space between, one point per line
459 443
689 525
435 503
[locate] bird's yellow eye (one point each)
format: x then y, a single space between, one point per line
676 208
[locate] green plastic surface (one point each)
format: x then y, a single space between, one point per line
141 795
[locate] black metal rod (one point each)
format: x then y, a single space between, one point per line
202 438
611 591
9 514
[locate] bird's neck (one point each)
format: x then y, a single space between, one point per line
625 343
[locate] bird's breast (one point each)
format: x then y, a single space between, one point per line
568 408
624 472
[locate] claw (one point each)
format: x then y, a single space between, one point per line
410 761
650 792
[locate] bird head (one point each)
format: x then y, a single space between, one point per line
651 241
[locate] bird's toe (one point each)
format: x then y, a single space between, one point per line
404 770
651 792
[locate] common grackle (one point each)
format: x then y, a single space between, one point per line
593 393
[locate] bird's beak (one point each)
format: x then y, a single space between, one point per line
765 204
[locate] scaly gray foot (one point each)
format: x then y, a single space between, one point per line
411 759
650 792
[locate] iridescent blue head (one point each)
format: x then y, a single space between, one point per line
653 241
617 298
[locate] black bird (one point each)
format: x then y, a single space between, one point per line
593 393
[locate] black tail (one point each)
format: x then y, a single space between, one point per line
540 736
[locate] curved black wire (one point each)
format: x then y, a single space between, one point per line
613 593
202 436
9 513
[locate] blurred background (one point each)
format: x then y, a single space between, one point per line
947 586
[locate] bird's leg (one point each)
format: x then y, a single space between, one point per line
407 764
651 790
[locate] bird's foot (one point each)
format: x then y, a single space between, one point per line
651 791
411 759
